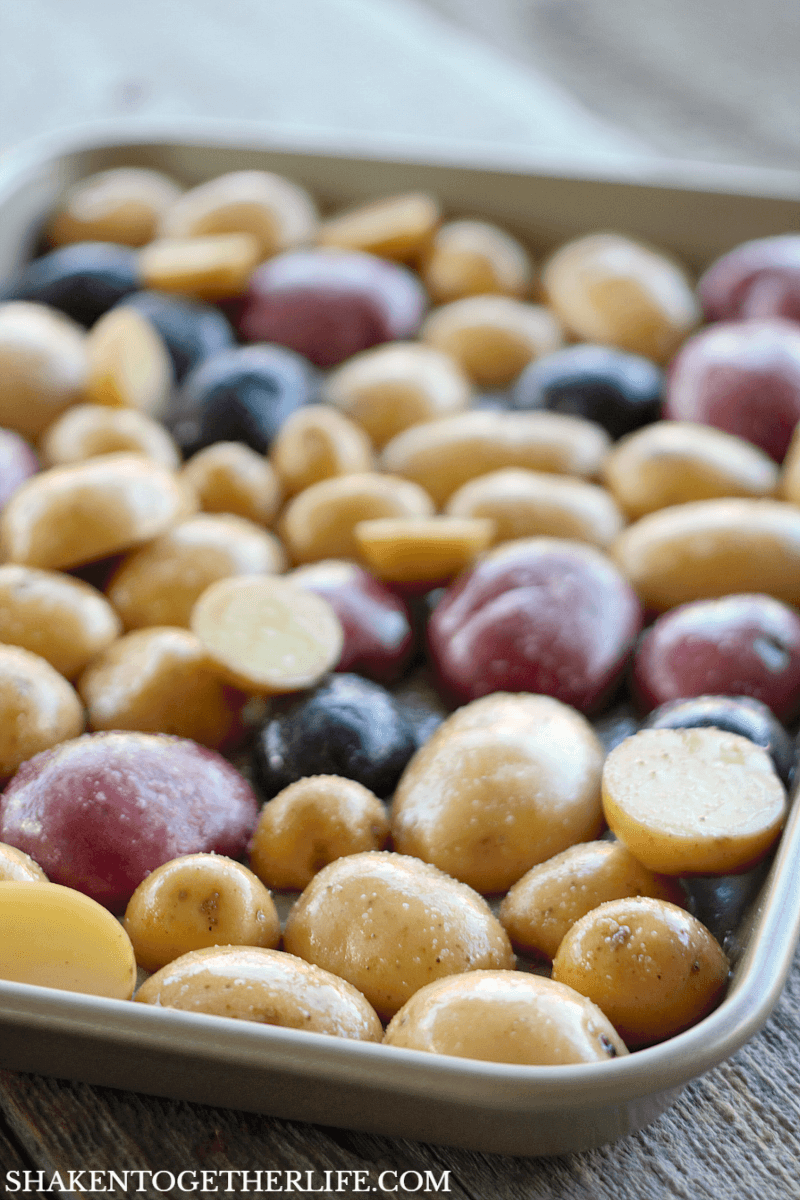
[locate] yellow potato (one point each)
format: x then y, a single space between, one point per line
693 801
712 548
160 583
506 782
266 635
321 520
471 258
122 205
230 477
129 364
651 967
196 901
76 514
442 455
312 823
677 462
275 211
89 430
16 866
391 387
251 983
611 289
38 708
536 504
492 337
390 924
56 937
505 1016
159 680
318 442
540 908
398 227
413 549
62 619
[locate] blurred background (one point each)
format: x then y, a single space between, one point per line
585 78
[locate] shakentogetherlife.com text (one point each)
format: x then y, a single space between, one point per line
237 1182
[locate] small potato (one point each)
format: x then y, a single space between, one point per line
206 268
53 936
421 549
129 364
492 338
251 983
43 366
196 901
397 227
38 708
537 504
505 782
391 387
89 430
99 813
18 867
540 908
160 680
442 455
159 584
122 205
312 823
709 548
318 442
62 619
72 515
230 477
693 801
267 636
653 969
505 1016
320 522
676 462
275 211
611 289
390 924
472 258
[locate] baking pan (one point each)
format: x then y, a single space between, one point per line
694 212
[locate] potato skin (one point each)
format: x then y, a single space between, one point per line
312 823
99 812
64 620
540 908
651 967
18 867
506 782
251 983
505 1016
38 709
390 924
159 680
195 901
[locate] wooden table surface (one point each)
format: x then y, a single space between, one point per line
693 81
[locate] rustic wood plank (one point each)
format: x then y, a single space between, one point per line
693 80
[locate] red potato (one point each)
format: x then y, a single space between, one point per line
760 278
536 615
746 645
378 637
743 377
100 812
328 304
